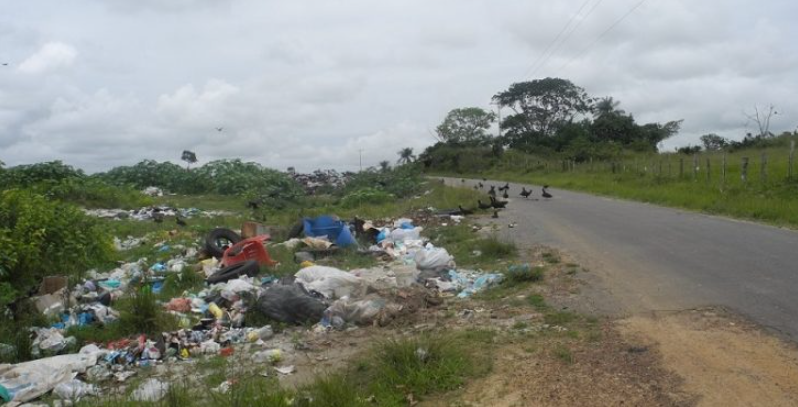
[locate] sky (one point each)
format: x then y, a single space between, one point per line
331 84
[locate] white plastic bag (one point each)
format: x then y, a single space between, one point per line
433 258
330 282
150 390
74 390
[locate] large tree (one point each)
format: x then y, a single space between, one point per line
406 155
541 106
466 125
713 142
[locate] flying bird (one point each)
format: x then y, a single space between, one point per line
5 63
219 128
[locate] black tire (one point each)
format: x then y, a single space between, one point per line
296 230
212 241
249 268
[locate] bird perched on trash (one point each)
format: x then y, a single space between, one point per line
464 211
546 194
180 221
525 193
497 204
495 215
482 205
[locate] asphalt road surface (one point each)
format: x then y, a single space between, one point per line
651 258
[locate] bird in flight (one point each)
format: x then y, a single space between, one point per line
5 63
219 128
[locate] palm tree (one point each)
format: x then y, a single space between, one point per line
385 165
406 156
606 106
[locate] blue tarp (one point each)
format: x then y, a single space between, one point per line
335 230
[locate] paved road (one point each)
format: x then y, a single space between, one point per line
652 258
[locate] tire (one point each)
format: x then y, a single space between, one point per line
296 230
249 268
212 241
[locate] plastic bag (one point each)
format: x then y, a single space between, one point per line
330 282
361 312
74 390
402 234
433 258
150 390
289 303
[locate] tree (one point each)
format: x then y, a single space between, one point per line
406 155
713 142
189 157
465 125
762 120
542 105
385 165
606 106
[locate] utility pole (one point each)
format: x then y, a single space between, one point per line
360 154
499 116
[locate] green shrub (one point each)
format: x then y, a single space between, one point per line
366 196
493 248
40 237
523 274
141 313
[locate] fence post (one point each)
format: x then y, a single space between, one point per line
724 168
681 167
709 170
744 170
792 154
695 166
763 168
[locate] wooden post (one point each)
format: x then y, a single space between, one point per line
724 168
792 153
744 170
695 166
681 167
763 168
709 170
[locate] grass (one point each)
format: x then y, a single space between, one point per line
390 374
462 243
559 318
639 178
563 353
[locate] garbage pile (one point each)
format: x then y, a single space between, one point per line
415 275
153 213
321 178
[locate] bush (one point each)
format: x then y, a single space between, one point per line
401 182
368 196
523 274
25 175
40 237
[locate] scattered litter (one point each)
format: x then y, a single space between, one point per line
74 390
285 370
151 390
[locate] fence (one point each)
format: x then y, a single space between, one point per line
745 167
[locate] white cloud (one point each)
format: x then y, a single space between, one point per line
308 87
52 56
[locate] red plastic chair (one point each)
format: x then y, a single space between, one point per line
248 249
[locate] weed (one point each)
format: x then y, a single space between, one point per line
523 274
559 318
537 301
141 313
491 248
518 325
563 353
551 257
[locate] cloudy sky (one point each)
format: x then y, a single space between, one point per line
99 83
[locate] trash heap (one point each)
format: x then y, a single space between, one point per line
153 213
321 178
414 275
